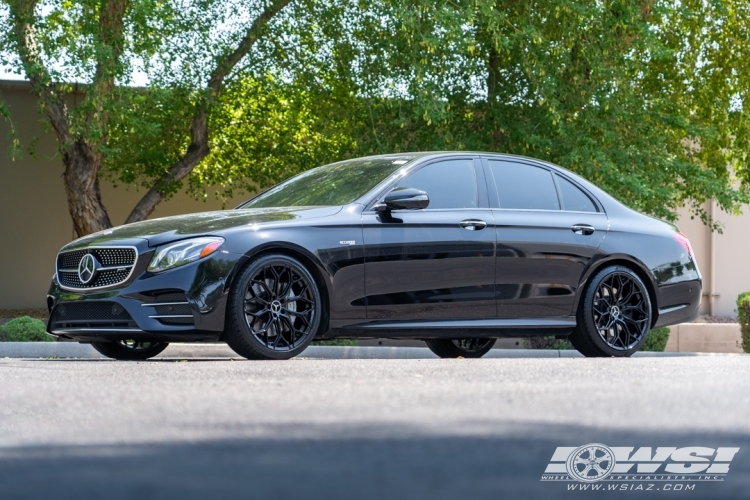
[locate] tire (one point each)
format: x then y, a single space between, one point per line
262 322
614 316
130 350
465 348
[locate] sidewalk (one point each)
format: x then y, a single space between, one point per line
68 350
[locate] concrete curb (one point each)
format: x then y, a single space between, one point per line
74 350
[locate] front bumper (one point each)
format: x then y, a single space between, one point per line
187 303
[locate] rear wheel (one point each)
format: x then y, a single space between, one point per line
274 309
130 350
465 348
614 317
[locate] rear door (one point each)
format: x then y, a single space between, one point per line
548 229
438 262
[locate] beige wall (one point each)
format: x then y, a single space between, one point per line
34 219
731 269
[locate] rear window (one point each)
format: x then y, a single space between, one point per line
524 187
573 198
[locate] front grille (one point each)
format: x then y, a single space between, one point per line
115 266
91 314
172 308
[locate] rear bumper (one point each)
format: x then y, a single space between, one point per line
194 308
679 302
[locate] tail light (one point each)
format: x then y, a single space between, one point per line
684 242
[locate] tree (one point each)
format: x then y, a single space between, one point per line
97 41
647 98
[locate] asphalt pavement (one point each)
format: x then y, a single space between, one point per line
357 428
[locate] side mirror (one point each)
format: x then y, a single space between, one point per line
403 198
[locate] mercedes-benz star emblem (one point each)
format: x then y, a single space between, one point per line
275 308
87 268
615 311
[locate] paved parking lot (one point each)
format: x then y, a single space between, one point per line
347 428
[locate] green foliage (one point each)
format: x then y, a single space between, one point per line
336 342
743 315
656 340
24 329
639 97
646 98
547 343
147 134
268 131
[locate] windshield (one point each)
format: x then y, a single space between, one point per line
336 184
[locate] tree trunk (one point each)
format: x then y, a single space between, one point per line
199 141
493 82
82 152
81 180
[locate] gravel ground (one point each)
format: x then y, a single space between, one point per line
365 429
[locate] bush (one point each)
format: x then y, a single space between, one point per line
547 343
25 329
743 315
656 340
338 342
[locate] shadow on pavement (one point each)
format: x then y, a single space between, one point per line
350 463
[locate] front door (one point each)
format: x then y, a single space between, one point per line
438 262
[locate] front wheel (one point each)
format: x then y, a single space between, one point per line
274 309
130 350
614 316
460 348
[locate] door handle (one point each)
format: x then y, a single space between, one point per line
582 229
473 224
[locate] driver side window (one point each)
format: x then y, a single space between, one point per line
449 184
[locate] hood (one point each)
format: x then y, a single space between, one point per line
164 230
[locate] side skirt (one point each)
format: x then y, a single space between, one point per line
452 328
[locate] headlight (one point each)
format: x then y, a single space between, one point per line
183 252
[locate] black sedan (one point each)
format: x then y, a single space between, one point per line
457 249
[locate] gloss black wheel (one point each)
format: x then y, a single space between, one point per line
130 350
274 309
615 314
465 348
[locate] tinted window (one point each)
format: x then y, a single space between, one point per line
449 184
573 198
336 184
522 186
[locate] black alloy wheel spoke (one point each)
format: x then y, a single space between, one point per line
287 284
280 298
262 284
471 345
258 313
293 331
620 311
299 299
